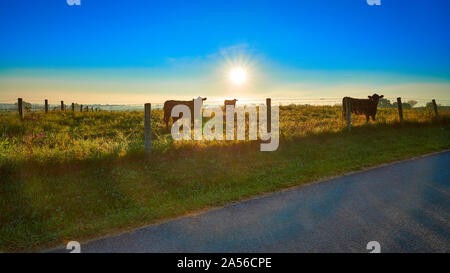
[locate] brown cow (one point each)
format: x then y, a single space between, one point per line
230 102
366 107
168 106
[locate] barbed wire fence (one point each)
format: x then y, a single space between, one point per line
36 106
23 107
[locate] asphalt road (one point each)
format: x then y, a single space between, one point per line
404 206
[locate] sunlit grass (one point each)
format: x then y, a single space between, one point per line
59 137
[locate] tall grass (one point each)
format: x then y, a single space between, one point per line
66 136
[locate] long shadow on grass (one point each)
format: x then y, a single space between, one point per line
41 205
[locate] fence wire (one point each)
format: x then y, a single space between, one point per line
36 106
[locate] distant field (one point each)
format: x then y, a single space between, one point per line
73 176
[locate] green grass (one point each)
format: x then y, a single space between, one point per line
73 176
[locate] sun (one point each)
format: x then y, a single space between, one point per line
238 76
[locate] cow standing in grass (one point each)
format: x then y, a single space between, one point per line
367 107
230 102
170 104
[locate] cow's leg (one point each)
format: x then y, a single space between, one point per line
367 118
344 111
166 121
373 117
166 117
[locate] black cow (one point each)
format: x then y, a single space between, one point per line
367 107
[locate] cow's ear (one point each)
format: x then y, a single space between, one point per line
369 97
381 96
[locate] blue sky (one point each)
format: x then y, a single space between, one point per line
134 50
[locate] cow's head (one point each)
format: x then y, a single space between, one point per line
375 98
201 98
235 100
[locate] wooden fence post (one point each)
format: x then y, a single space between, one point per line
46 106
269 114
87 109
148 128
62 105
348 114
435 109
73 107
20 107
81 108
400 108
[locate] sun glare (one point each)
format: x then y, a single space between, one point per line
238 76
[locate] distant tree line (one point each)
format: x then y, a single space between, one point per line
26 106
385 103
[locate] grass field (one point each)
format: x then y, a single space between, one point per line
75 176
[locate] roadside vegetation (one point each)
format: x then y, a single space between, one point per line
74 176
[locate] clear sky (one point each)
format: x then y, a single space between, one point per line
117 51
